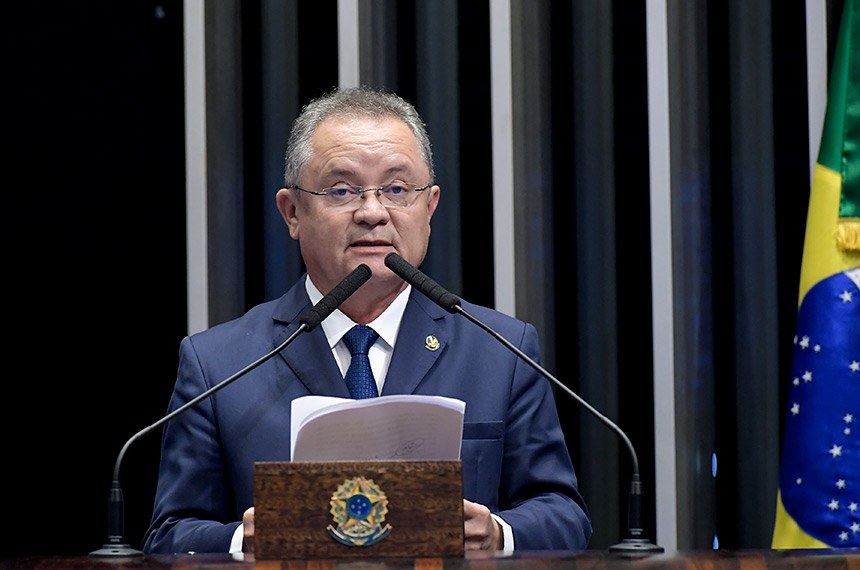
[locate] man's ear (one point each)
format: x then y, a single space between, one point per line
433 203
289 210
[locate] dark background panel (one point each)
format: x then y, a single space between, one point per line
94 258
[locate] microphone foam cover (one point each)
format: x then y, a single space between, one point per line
420 281
349 285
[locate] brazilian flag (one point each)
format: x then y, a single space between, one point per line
818 500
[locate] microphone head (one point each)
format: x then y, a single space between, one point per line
417 279
400 266
350 284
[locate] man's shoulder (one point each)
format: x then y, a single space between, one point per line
490 313
493 318
233 331
259 319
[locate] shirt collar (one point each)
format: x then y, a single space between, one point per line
387 325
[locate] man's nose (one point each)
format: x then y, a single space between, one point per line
370 205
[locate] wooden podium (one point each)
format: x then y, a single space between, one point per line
350 509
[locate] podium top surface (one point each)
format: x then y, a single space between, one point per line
681 560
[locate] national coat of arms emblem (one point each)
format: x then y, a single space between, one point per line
358 508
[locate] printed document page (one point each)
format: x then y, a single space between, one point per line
401 426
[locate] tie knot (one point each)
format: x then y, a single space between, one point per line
359 339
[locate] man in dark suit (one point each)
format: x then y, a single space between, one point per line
358 186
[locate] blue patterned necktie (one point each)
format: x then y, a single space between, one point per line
359 376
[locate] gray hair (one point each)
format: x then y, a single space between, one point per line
352 102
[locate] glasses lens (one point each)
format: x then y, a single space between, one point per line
340 195
392 195
398 194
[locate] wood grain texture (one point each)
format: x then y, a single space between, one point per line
293 508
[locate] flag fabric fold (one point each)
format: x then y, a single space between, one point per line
818 500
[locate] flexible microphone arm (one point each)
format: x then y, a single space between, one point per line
115 546
634 543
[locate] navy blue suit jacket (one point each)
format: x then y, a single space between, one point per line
514 459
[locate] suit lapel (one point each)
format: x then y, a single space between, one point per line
309 355
414 354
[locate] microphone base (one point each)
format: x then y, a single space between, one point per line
111 550
635 547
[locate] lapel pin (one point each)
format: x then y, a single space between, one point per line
431 343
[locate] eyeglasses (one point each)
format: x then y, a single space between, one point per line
392 195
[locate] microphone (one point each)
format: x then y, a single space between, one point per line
310 319
634 543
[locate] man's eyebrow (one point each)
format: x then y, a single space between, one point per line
340 172
398 170
349 173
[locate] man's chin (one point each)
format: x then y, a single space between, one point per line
374 260
385 281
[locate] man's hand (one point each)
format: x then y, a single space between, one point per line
248 530
482 531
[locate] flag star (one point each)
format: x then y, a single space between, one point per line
817 348
804 342
843 536
854 366
848 418
845 296
795 409
795 339
840 484
847 431
833 505
852 507
798 481
855 527
807 376
835 451
796 381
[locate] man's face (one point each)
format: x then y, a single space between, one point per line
367 153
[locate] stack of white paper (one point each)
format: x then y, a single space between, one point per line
410 427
